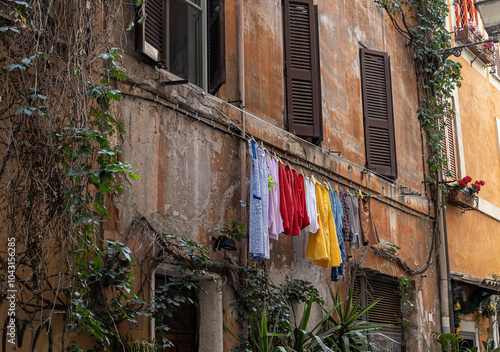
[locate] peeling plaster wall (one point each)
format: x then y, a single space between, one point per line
191 172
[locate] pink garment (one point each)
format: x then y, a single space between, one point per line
275 220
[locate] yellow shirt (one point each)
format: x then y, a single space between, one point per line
323 246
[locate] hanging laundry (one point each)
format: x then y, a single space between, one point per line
338 215
368 230
286 198
259 204
274 218
346 220
323 247
311 205
300 203
355 234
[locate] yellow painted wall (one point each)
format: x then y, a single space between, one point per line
474 237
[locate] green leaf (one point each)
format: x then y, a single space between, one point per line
134 176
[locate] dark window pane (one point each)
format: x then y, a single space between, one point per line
185 44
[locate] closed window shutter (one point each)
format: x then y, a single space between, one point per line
449 144
302 70
388 310
150 34
371 288
216 33
377 113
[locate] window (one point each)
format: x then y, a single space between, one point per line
193 327
186 37
378 117
468 332
388 311
449 143
465 13
183 325
302 73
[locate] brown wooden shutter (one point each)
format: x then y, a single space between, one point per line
302 71
378 117
216 33
449 143
371 287
388 310
151 33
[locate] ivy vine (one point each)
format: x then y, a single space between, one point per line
422 24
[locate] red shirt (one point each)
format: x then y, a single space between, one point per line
286 198
300 201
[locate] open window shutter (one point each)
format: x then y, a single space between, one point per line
302 70
497 62
449 143
216 45
377 112
150 34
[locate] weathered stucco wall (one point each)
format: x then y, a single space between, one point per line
190 171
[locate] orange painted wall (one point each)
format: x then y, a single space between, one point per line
474 237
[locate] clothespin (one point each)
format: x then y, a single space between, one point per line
337 188
360 194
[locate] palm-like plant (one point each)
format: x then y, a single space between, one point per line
453 343
344 329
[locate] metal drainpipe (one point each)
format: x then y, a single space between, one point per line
243 144
448 273
444 277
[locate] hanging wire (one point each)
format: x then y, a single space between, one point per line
208 97
176 108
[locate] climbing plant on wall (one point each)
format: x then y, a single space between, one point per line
422 24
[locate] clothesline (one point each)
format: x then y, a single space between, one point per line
208 97
400 206
284 202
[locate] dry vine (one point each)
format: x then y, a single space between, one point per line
50 62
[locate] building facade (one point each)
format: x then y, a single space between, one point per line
330 90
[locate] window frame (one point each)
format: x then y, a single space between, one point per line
212 28
210 298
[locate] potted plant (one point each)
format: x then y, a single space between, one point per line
463 195
487 54
470 34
